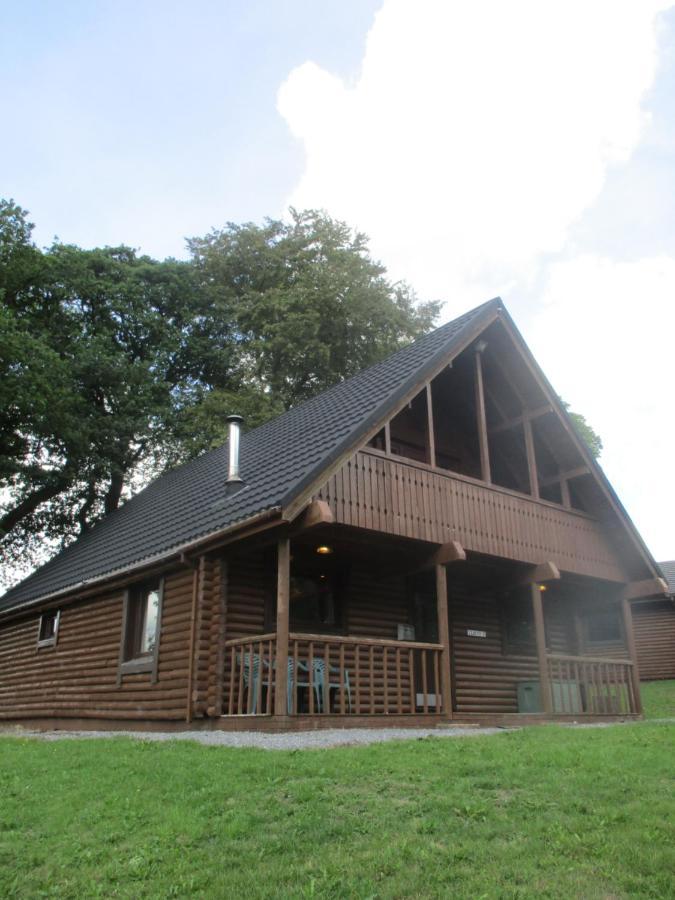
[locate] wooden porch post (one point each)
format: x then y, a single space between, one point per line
444 638
540 634
283 592
480 414
632 652
531 458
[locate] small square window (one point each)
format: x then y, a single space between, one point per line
49 628
603 626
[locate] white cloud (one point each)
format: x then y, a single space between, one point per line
475 136
604 337
476 133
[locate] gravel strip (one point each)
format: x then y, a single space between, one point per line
298 740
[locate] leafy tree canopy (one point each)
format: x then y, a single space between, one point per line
114 366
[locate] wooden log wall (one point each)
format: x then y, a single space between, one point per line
485 675
375 603
654 627
78 677
374 492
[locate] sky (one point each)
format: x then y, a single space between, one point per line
525 150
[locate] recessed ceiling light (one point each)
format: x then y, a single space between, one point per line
323 549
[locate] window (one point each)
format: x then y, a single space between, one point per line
316 588
140 637
603 626
518 625
49 628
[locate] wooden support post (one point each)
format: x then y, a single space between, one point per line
632 652
431 438
565 493
480 415
387 439
540 634
444 640
283 595
531 458
191 651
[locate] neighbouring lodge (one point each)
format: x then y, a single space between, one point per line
654 625
427 541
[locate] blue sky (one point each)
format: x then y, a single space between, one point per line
523 149
144 122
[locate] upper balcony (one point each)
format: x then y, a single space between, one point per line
412 499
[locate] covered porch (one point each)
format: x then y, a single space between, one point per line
351 629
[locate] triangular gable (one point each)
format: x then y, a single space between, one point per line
566 450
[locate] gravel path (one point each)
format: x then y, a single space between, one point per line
299 740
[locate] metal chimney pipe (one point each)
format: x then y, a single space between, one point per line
234 434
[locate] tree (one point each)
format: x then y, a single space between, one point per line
94 366
309 305
591 438
114 366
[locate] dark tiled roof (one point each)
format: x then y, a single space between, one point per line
277 461
668 569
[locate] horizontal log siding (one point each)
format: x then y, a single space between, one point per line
374 603
654 627
78 677
249 581
373 492
485 677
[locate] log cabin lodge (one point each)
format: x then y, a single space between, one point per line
428 541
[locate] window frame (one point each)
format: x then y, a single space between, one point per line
511 647
144 662
603 642
305 565
43 643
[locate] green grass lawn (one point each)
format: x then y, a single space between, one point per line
658 699
544 812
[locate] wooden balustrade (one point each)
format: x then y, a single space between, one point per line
584 685
249 675
411 499
334 674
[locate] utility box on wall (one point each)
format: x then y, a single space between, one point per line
566 697
529 697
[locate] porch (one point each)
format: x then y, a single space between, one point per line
383 630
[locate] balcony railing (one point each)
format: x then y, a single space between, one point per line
583 685
334 675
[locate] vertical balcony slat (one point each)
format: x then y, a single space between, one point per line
271 677
357 677
242 662
342 679
250 693
326 679
385 677
230 699
371 666
310 663
261 669
399 691
437 683
425 694
411 666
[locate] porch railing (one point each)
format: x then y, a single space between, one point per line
584 685
334 674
